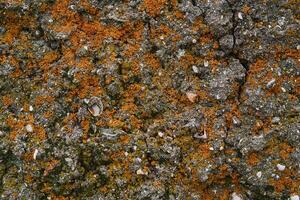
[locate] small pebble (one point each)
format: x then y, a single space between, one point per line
280 167
276 120
1 133
30 108
29 128
236 121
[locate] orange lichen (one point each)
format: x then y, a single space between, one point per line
152 61
153 7
40 100
246 9
7 101
40 133
253 159
285 150
50 166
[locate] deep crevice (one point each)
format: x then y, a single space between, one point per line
234 53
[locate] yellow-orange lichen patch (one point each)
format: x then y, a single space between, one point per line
48 59
49 166
253 159
153 7
40 100
246 9
40 133
152 61
285 150
7 100
288 180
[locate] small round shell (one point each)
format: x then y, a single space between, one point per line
95 106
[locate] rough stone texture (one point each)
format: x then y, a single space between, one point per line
149 99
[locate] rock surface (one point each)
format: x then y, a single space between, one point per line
149 99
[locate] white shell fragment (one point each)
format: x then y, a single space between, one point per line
95 110
35 154
191 96
29 128
295 197
271 83
141 172
206 63
198 136
240 15
160 134
258 174
111 133
280 167
95 106
195 69
235 196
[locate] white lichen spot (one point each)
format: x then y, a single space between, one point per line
280 167
191 96
29 128
235 196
